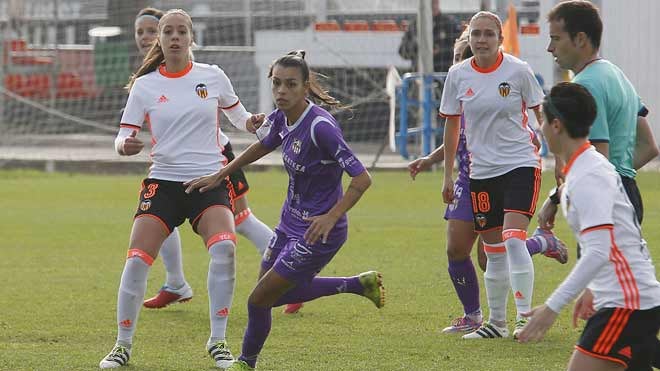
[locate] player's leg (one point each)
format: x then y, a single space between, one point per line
460 238
175 289
488 218
522 186
481 254
582 362
292 279
247 224
546 243
211 217
153 222
250 227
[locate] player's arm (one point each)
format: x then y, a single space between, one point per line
126 143
596 242
646 148
328 138
242 119
603 148
425 163
537 131
322 224
450 142
254 152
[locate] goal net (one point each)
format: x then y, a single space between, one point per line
62 90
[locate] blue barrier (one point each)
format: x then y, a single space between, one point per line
429 107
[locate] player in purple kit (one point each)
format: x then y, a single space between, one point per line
460 226
313 223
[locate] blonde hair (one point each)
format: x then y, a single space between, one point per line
490 15
462 41
155 55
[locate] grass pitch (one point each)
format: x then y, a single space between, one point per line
63 244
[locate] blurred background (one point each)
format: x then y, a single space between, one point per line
62 79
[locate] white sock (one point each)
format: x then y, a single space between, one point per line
496 281
131 293
254 230
170 251
220 282
522 272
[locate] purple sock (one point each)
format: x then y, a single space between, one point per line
534 245
258 328
465 282
319 287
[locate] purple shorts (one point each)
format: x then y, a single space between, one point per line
461 207
295 260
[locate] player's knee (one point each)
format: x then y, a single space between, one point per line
259 298
457 252
222 248
140 254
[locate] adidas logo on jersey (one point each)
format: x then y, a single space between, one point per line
469 92
163 99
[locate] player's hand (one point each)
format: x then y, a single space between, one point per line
546 216
320 228
448 190
132 145
584 307
419 165
542 317
254 122
206 182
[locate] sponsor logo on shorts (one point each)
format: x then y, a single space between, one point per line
145 205
505 89
481 220
201 91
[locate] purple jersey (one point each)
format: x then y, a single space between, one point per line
315 155
463 155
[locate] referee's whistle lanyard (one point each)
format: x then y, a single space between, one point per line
588 63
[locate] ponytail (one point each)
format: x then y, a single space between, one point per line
150 63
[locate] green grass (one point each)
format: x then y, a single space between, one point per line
64 239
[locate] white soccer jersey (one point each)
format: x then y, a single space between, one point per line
181 110
494 103
594 199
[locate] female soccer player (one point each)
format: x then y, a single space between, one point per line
615 274
176 289
493 91
460 226
313 224
179 99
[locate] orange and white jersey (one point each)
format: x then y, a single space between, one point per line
181 110
494 104
602 218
